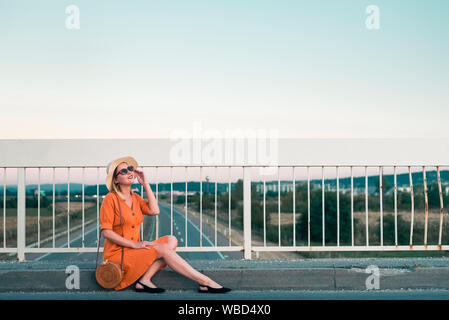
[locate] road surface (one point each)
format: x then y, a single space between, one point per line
179 230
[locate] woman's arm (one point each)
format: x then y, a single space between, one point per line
119 240
152 202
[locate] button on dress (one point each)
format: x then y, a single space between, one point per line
135 261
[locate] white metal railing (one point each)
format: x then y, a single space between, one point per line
309 245
367 247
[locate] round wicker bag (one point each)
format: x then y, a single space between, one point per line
109 274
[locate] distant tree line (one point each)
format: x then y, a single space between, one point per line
330 216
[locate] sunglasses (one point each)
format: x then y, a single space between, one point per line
125 170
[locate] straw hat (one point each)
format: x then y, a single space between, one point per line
113 165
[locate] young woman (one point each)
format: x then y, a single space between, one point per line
142 259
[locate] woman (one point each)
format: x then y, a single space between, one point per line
142 259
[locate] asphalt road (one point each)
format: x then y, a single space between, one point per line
193 235
179 230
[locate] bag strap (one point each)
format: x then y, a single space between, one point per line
99 235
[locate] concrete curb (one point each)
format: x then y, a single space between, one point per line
327 274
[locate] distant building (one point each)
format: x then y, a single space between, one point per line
177 193
404 189
182 193
285 186
36 192
359 190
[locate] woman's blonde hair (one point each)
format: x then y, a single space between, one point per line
115 187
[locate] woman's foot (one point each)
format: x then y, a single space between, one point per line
209 283
211 286
145 282
147 286
214 290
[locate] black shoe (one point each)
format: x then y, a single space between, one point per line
148 289
214 290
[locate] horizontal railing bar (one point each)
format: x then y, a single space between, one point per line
243 165
254 248
63 250
350 248
94 249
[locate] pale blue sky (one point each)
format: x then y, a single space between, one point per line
142 69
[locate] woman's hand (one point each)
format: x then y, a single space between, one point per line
143 245
141 177
118 239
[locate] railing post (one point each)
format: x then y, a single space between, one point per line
247 212
21 214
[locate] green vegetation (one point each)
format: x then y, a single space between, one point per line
330 205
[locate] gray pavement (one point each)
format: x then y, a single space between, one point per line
335 275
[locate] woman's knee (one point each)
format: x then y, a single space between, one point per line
163 249
172 242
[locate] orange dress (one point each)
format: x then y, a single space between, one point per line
135 261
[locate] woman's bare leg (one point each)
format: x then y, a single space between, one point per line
178 264
156 265
146 278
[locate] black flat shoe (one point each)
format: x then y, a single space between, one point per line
214 290
148 289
